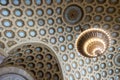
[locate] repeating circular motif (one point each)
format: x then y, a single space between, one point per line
59 23
37 59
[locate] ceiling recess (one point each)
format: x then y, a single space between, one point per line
92 42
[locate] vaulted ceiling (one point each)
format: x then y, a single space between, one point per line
38 39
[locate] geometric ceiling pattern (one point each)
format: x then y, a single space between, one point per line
50 28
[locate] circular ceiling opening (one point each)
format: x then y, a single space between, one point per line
92 42
73 14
